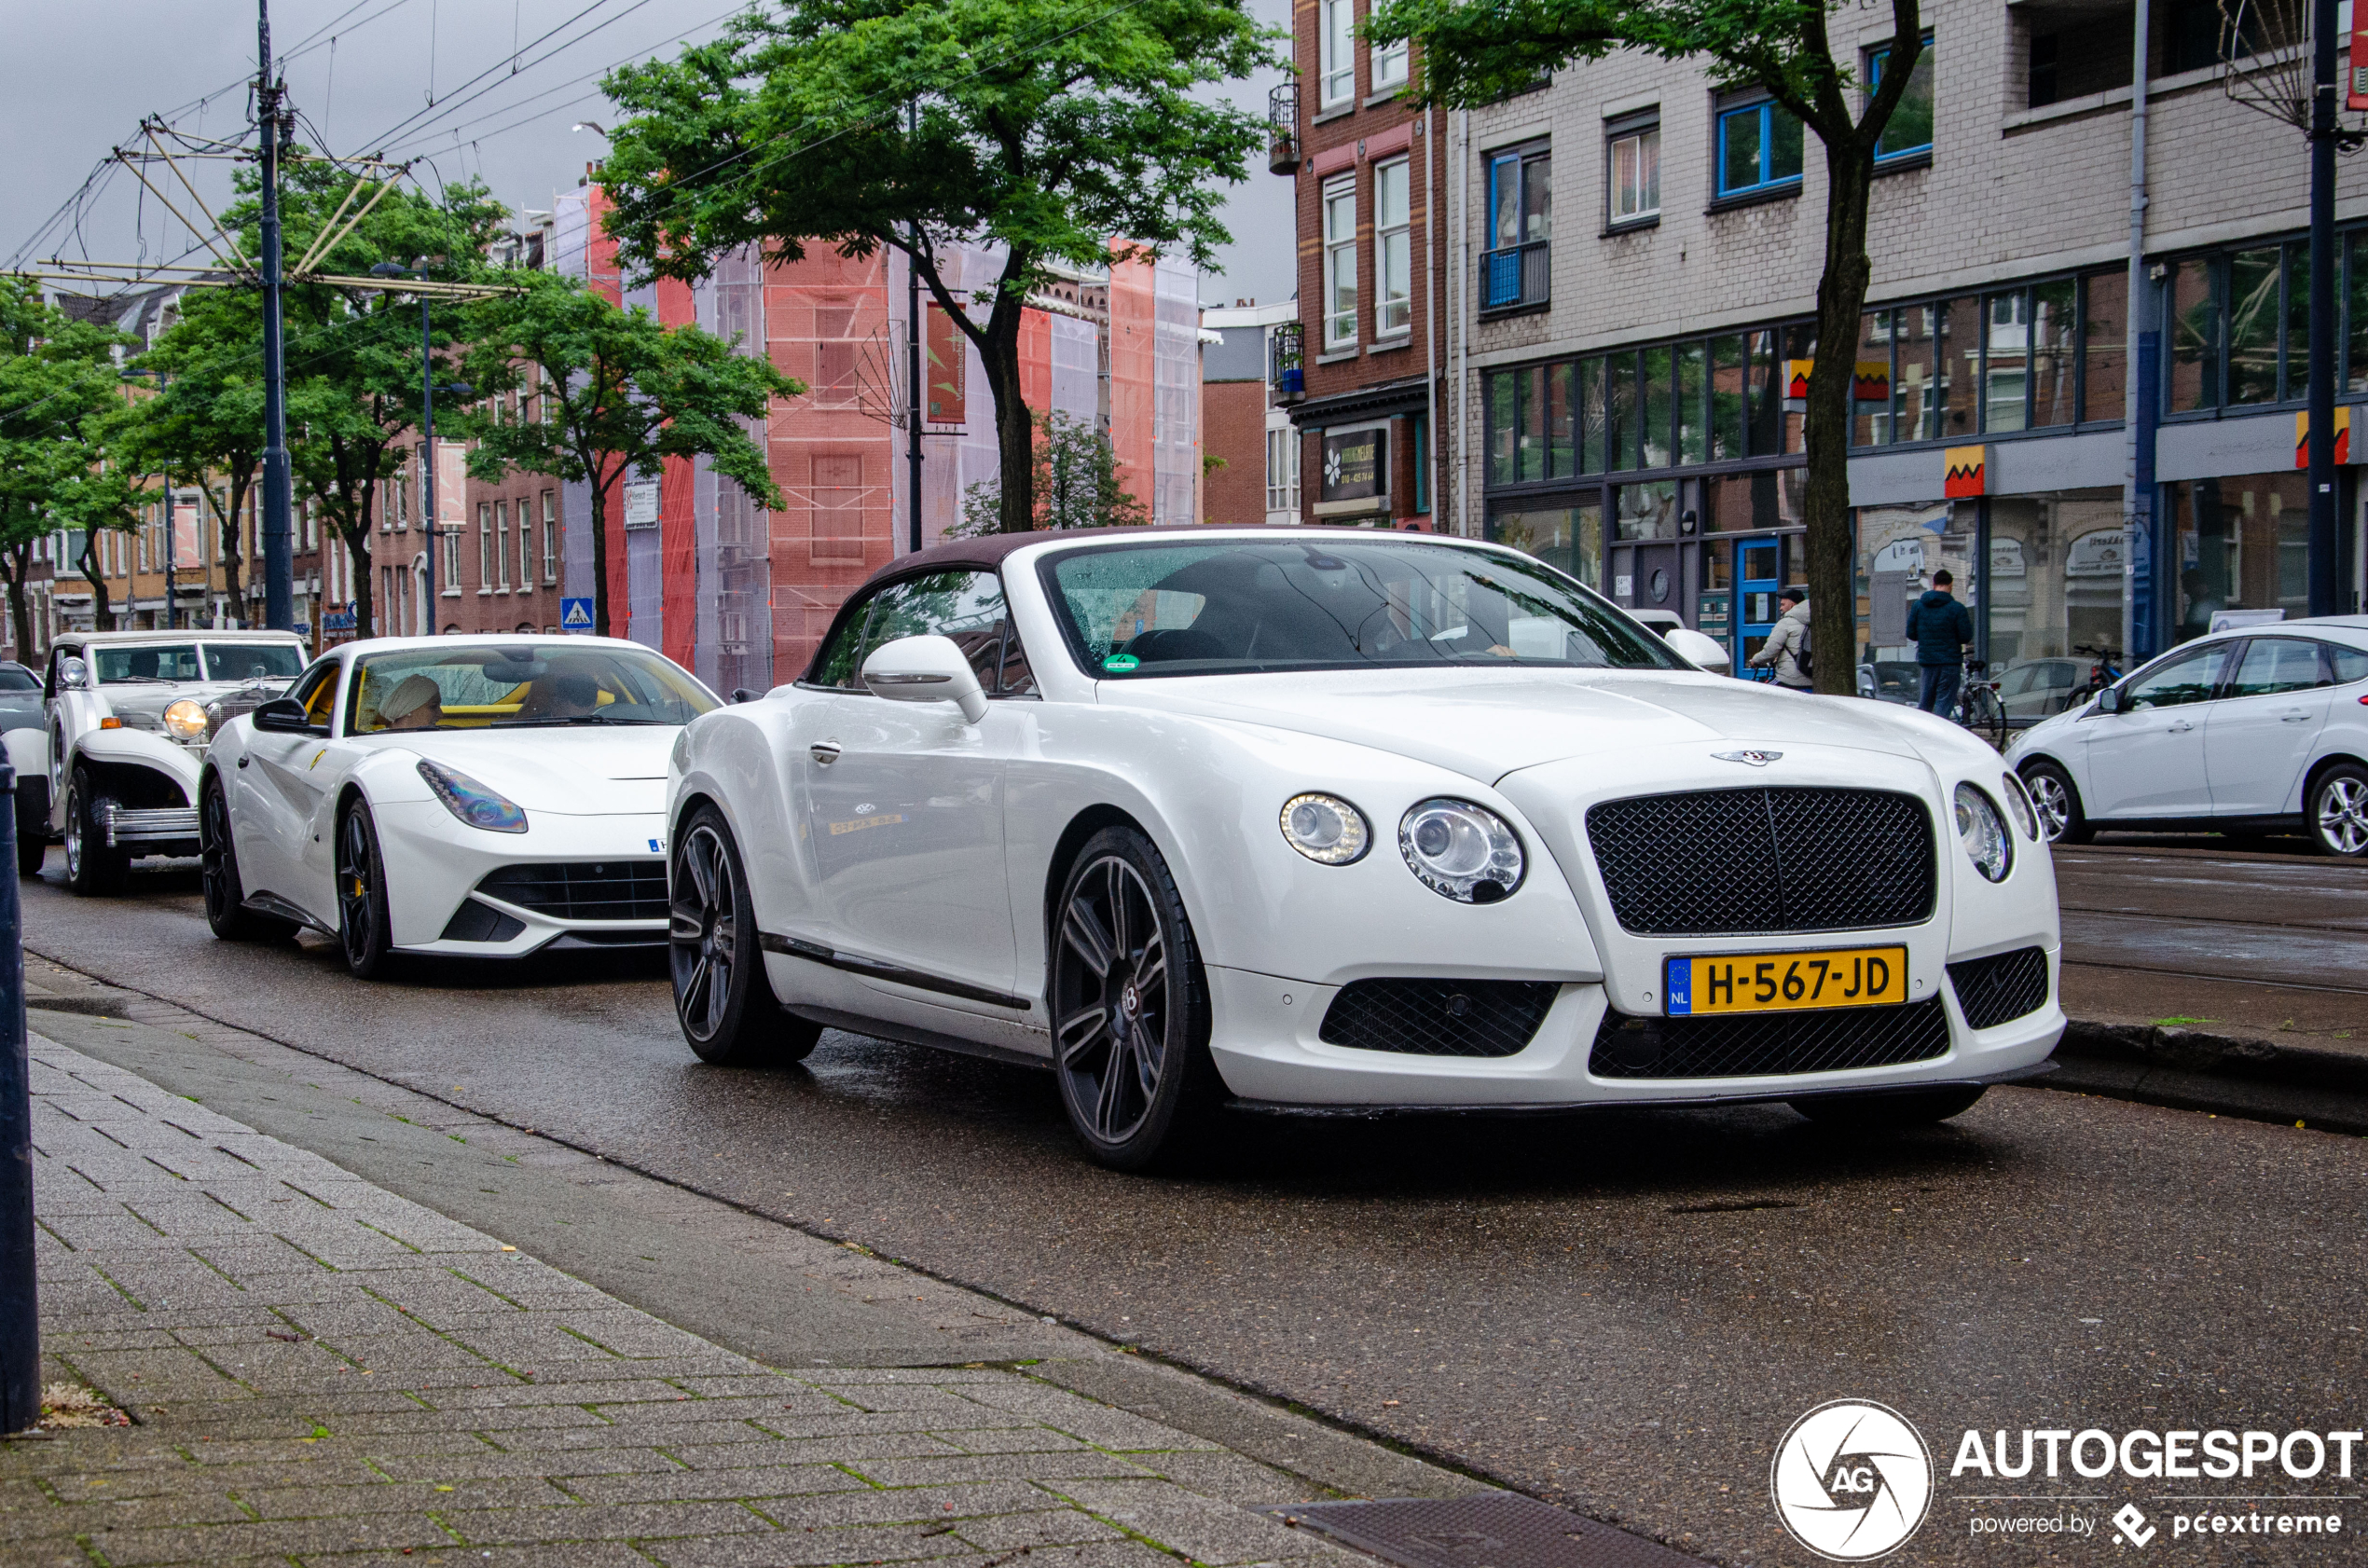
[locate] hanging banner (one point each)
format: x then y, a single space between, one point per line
2341 437
641 503
1964 470
186 549
2357 64
451 486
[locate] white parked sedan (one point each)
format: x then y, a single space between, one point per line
2254 730
479 796
1342 820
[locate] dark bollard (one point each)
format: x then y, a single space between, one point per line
20 1311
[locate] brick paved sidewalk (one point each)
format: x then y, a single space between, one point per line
323 1372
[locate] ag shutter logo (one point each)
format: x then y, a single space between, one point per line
1851 1480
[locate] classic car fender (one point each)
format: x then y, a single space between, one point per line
113 750
29 754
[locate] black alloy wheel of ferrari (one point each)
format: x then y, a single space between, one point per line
224 890
1130 1007
363 925
722 997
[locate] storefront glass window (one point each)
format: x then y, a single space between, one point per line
2195 337
1659 377
2356 314
1500 427
1747 502
1916 387
2055 360
1899 549
1530 458
1693 433
1557 419
1569 538
1800 343
1647 511
1590 415
2244 544
2104 346
2252 326
1764 395
2007 364
1620 424
1871 381
1726 398
2297 356
2054 588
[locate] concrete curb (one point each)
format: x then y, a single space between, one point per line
2191 1069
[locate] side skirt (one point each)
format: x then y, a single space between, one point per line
280 908
907 1034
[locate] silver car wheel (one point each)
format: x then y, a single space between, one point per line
2054 801
2343 815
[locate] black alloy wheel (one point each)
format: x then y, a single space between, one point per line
721 996
91 867
1130 1007
1881 1112
226 893
33 825
2338 811
2057 800
363 925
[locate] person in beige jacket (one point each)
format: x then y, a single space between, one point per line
1783 647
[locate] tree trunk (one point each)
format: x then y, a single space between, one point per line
600 487
90 564
240 486
18 567
365 586
1014 434
1841 295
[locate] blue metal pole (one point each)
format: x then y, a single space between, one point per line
427 460
19 1304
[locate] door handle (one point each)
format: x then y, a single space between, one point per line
2294 718
2181 728
825 751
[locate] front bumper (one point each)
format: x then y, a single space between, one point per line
160 830
439 865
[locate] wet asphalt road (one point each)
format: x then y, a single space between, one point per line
1623 1310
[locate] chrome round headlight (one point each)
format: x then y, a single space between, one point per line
1983 832
185 721
2019 801
1461 851
1325 829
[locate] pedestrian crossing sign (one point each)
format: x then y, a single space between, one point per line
576 615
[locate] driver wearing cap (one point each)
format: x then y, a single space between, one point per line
417 703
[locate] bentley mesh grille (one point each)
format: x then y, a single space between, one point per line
582 889
1734 862
1765 1044
1437 1017
2004 986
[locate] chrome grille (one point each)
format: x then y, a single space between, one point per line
1736 863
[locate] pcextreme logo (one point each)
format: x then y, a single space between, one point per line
1851 1480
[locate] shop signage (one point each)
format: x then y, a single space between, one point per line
1797 379
1870 380
1964 472
1355 464
2006 557
2095 555
2343 437
641 503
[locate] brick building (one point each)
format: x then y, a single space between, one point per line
1260 479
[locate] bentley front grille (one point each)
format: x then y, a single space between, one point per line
1740 862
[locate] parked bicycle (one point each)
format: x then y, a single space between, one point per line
2104 671
1979 708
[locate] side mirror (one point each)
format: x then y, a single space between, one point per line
74 674
741 694
925 669
1701 651
2108 700
284 716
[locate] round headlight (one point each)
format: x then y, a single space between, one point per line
2019 801
1325 829
1461 851
185 721
1983 832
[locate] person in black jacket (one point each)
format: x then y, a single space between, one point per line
1941 627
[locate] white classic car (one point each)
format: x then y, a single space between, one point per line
1341 820
479 796
114 768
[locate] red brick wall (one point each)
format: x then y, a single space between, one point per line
1233 427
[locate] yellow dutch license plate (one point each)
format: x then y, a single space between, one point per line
1696 986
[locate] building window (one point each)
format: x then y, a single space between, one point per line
1393 250
1340 262
1282 470
837 494
1337 28
485 553
450 535
502 544
1635 181
1514 271
1421 444
1759 149
526 547
1908 134
550 538
1389 65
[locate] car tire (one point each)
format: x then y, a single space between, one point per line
1877 1112
715 956
365 932
2057 799
2336 812
92 869
33 825
224 890
1130 1006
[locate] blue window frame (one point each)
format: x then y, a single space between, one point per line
1759 148
1910 130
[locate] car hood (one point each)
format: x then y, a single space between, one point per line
1486 724
587 772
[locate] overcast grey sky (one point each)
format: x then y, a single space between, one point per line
87 71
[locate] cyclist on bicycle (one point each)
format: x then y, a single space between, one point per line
1942 629
1782 651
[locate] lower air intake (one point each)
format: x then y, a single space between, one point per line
1437 1017
2002 987
1768 1044
632 890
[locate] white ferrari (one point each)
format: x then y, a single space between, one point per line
1336 820
479 796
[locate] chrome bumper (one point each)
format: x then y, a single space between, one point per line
121 825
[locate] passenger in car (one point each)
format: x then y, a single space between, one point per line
417 703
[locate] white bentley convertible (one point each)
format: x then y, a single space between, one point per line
479 796
1343 821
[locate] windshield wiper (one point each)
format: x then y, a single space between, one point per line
567 718
138 680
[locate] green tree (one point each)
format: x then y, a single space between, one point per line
1475 51
1073 478
60 398
205 422
619 394
1042 127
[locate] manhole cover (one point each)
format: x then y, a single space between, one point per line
1493 1529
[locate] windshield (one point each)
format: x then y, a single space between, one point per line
522 687
16 678
176 661
1243 606
252 661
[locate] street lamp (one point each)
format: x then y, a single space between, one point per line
418 268
172 567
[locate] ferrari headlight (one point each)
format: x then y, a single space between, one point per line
185 721
471 800
1325 829
1983 832
2019 801
1461 851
